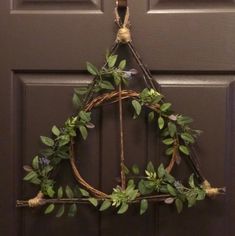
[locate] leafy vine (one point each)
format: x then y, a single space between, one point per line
156 185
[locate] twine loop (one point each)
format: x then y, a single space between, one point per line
124 34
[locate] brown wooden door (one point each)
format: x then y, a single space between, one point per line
188 45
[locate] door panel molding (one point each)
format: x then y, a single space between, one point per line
63 5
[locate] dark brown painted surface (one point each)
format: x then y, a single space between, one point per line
44 47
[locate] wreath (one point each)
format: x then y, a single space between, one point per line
110 85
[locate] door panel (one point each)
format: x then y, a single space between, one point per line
44 46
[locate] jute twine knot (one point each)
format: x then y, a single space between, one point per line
36 201
211 192
123 35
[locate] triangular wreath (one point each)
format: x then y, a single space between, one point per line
157 184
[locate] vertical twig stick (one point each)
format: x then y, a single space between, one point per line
123 176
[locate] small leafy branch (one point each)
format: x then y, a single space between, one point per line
154 183
157 184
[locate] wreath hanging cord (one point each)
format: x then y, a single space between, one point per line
157 184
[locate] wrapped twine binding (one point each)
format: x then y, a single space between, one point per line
210 191
36 201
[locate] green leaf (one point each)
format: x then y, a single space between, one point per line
112 60
179 205
172 128
122 65
150 167
83 131
144 190
165 106
171 190
161 171
201 194
135 169
49 209
187 137
76 101
143 206
30 175
169 177
60 192
47 141
106 85
91 69
191 181
55 131
161 122
35 181
50 191
93 201
60 212
191 199
85 116
35 163
72 210
81 90
151 116
136 106
117 79
84 193
69 192
126 170
168 141
105 205
47 152
123 208
169 151
184 149
183 120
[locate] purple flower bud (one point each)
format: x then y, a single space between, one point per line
44 161
130 73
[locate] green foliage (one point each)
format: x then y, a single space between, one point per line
60 192
122 197
184 149
174 130
55 131
165 107
123 208
122 65
91 69
72 210
47 141
69 192
135 169
187 137
161 122
143 206
49 209
168 141
93 201
112 60
150 97
84 193
137 107
151 116
105 205
60 211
